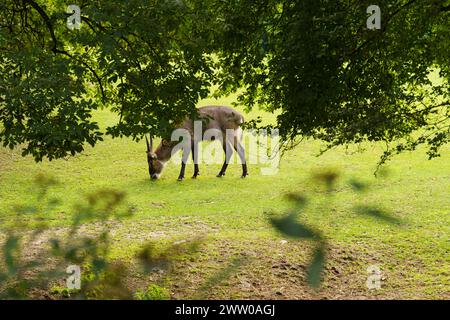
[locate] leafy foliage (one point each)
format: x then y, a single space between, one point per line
334 79
146 60
291 226
22 273
151 61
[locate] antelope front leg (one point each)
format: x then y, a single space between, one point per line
183 163
195 159
181 175
228 153
241 152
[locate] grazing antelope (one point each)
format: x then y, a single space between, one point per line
222 119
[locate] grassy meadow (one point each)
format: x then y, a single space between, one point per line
398 220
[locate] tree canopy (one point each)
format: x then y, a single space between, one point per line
151 61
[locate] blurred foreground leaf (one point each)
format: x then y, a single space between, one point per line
289 226
378 214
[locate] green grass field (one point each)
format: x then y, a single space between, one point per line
241 255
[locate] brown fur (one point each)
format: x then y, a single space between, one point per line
213 117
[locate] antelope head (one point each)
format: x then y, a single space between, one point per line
154 165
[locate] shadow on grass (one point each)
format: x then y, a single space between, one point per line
377 213
290 224
222 275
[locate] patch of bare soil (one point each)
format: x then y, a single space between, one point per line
248 269
271 270
35 248
267 271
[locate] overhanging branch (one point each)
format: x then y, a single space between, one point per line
47 21
55 49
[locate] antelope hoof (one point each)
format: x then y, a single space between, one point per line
194 176
180 178
244 175
220 175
